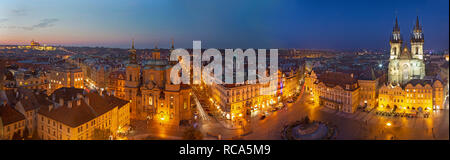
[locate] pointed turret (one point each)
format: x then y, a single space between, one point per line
396 38
132 51
396 27
417 40
156 54
395 41
417 26
172 47
417 32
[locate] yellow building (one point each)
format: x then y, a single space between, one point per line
335 90
310 78
27 102
369 83
151 93
291 83
34 45
117 84
416 95
65 76
236 101
76 113
11 122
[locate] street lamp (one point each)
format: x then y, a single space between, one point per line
388 124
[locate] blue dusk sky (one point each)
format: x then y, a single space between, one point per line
320 24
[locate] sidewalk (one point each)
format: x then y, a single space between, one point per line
225 124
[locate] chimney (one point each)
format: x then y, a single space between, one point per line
351 75
50 107
53 97
61 101
69 104
26 97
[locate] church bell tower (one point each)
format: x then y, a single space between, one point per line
417 40
396 41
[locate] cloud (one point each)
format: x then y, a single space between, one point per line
3 20
19 12
44 23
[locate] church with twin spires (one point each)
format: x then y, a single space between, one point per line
406 64
408 90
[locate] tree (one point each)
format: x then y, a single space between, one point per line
101 134
192 133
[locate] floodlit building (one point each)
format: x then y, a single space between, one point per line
408 90
152 96
336 90
74 114
11 122
406 64
416 95
65 76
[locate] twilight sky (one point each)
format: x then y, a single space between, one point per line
326 24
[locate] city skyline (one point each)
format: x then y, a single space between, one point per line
318 24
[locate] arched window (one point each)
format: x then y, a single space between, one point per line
417 50
395 51
130 78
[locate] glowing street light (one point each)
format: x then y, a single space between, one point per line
388 124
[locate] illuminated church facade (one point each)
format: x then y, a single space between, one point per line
407 89
406 64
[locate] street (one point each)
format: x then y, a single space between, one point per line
358 125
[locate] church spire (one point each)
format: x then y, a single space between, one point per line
132 51
172 47
417 27
417 22
396 27
417 32
396 37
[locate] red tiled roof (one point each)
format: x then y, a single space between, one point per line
332 79
10 115
82 113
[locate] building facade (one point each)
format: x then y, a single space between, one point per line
416 95
75 114
407 90
334 90
11 122
406 64
152 96
65 76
